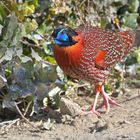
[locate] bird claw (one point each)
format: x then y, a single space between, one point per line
107 101
84 113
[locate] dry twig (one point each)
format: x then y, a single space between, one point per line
24 116
27 108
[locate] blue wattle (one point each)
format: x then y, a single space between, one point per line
62 39
62 43
62 36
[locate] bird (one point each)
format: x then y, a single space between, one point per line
90 53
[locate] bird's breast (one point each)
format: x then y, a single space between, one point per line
68 58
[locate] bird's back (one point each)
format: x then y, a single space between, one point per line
98 41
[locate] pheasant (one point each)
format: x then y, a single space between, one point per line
90 53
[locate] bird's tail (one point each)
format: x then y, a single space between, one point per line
130 40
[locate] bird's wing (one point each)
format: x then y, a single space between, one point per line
104 47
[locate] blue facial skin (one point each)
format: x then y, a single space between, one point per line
62 38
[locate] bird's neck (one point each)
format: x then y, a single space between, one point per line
70 55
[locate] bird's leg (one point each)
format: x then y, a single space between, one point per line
93 109
107 100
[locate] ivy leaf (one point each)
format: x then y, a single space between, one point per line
54 97
130 20
137 55
49 124
2 10
60 74
35 55
45 72
3 81
9 54
9 29
8 103
133 5
25 59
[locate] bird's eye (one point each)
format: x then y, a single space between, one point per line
63 32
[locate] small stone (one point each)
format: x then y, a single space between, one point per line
100 126
67 119
69 107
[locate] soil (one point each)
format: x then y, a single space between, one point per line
121 123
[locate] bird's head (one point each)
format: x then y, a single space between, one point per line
63 36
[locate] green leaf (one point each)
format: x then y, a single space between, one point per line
130 20
30 25
9 30
34 2
49 124
9 54
2 53
133 5
2 10
61 74
45 72
25 59
137 55
35 55
8 103
42 90
3 80
55 97
54 92
50 59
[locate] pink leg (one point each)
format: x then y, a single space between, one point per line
107 100
93 109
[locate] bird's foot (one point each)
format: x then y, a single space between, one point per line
91 111
107 101
84 113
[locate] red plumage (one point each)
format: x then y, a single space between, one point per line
94 54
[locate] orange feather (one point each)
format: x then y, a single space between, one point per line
69 56
99 60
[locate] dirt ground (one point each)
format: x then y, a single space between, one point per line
122 123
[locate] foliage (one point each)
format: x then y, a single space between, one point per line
28 71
